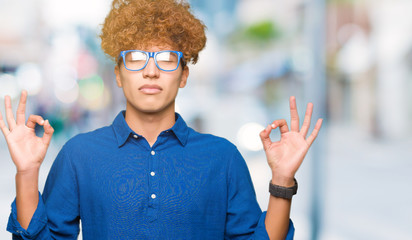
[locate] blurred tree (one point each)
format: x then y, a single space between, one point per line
259 34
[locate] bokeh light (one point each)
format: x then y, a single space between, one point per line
64 77
29 77
9 85
67 96
248 136
93 94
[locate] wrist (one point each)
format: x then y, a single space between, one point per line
28 172
27 184
285 181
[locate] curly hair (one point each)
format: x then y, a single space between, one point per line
138 24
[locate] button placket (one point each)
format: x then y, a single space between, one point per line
153 178
153 194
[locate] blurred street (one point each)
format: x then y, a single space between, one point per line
368 188
350 58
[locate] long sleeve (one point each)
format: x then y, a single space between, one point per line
57 213
37 228
261 233
245 219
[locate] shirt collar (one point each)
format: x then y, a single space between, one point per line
123 131
180 129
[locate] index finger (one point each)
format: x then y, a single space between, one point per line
283 126
21 109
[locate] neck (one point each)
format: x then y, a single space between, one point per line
150 125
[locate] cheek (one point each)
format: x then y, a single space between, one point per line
127 80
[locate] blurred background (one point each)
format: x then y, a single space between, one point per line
352 59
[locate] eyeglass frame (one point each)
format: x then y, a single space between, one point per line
152 55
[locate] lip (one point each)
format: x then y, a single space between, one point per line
150 89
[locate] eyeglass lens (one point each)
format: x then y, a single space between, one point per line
166 60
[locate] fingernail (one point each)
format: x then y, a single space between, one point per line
42 122
273 125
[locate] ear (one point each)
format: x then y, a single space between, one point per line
185 75
117 72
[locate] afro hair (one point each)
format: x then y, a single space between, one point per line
137 24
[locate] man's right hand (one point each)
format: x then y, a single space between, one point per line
26 149
27 152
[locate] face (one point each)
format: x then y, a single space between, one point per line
151 90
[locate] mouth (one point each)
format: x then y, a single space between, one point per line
150 89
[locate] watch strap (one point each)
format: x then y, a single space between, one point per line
283 192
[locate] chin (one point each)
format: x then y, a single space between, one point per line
152 110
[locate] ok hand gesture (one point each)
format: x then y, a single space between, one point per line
26 149
286 155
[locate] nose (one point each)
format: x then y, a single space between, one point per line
151 70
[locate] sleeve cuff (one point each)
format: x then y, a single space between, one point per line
261 232
37 223
291 231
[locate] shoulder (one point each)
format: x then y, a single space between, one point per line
210 142
220 152
90 140
197 137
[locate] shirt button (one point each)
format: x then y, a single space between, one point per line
135 136
152 173
153 196
152 152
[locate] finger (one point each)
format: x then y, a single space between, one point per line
294 116
3 126
306 121
282 124
33 120
315 132
9 113
21 109
48 132
264 137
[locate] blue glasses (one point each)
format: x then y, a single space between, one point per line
136 60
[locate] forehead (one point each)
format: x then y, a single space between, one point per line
155 46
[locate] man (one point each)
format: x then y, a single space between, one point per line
148 175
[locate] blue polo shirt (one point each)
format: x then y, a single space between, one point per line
188 185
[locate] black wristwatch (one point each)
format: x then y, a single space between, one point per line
283 192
